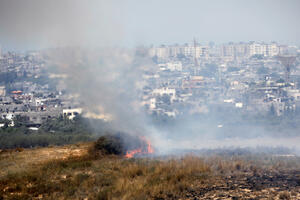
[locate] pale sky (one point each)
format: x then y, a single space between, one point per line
32 24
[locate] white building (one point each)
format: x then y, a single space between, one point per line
241 50
294 93
162 52
239 105
152 103
165 91
272 49
255 49
2 91
263 49
174 66
195 51
173 51
71 113
228 50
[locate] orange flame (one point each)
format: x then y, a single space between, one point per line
141 150
130 154
149 147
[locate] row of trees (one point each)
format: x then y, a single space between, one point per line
55 131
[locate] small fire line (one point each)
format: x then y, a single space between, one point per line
140 151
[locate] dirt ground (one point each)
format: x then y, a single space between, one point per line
247 185
15 160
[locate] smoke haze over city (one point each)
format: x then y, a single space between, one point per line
34 24
197 63
105 51
149 99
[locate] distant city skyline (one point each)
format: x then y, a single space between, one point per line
34 24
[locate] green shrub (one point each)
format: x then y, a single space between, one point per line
109 145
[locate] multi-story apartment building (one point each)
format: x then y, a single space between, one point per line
228 50
173 51
272 49
231 50
263 49
162 52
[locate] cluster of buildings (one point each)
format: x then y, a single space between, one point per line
234 77
229 51
27 89
184 79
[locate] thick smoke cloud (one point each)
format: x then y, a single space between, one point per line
108 83
108 79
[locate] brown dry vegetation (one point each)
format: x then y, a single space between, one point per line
62 175
18 160
111 177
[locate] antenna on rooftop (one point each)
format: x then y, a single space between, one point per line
195 57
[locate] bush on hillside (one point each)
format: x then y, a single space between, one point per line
109 144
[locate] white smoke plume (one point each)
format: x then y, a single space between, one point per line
108 82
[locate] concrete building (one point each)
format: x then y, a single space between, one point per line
174 66
228 50
187 50
195 51
256 49
162 52
152 103
263 49
175 50
71 113
165 91
272 49
2 91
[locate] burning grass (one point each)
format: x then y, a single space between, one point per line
111 176
128 146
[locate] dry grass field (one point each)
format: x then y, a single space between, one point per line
73 172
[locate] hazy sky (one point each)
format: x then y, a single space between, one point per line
26 24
